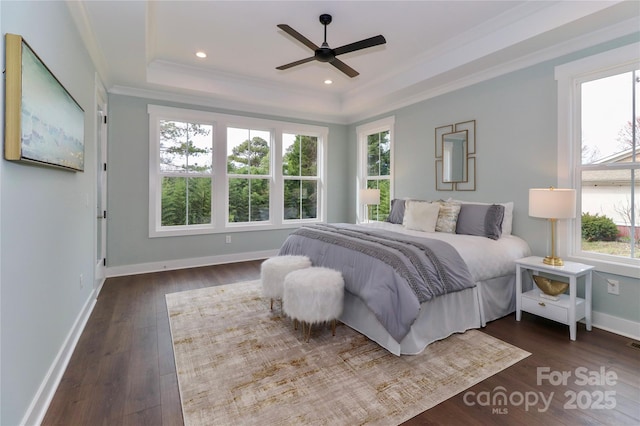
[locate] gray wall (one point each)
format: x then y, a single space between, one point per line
128 241
46 224
516 134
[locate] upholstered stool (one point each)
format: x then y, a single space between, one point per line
275 269
313 295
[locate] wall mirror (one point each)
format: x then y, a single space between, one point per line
454 157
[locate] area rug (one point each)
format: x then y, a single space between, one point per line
239 363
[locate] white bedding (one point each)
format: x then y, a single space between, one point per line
485 258
492 266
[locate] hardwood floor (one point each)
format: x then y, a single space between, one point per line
122 370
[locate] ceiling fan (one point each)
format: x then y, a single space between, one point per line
326 54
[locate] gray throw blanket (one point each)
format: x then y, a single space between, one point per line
392 273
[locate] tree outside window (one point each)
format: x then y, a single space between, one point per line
248 171
300 173
185 172
379 172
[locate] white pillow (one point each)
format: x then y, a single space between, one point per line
421 215
507 221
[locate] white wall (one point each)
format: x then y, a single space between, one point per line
47 229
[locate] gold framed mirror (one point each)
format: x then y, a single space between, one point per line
454 157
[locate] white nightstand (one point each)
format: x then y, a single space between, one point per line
568 309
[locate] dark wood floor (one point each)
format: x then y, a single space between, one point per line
122 370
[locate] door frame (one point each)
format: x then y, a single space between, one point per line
100 246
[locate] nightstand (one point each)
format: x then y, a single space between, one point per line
569 308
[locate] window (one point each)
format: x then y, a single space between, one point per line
300 173
217 173
601 124
248 171
375 166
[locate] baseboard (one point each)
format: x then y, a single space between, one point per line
621 326
144 268
40 403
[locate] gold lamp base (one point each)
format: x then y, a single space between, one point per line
553 261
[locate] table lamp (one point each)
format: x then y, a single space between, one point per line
369 196
552 204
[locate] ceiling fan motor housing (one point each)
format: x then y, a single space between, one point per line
325 54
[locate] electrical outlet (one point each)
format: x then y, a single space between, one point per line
227 239
613 287
81 281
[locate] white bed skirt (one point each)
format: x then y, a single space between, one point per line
438 318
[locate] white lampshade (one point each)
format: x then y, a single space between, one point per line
369 196
552 203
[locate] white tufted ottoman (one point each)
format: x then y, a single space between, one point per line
312 296
275 269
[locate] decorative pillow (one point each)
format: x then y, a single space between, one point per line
421 215
397 211
482 220
507 221
447 217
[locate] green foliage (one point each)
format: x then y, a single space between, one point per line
185 149
301 195
187 200
379 164
249 197
598 228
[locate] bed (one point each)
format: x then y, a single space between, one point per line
478 276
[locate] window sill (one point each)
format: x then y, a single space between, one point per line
229 229
609 267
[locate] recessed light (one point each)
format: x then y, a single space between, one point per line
201 55
327 81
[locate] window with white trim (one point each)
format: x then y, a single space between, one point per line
218 173
599 144
375 166
301 176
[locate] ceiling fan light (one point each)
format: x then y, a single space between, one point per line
200 54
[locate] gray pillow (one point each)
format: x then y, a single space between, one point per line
481 220
396 215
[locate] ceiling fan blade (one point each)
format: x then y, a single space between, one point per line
344 68
362 44
293 64
302 39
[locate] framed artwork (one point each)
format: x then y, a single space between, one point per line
44 125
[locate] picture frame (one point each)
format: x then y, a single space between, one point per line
44 125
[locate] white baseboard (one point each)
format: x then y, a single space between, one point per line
40 403
621 326
144 268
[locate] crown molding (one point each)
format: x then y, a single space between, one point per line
227 105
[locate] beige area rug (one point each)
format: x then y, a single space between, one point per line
239 363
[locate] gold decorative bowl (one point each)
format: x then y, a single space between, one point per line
550 287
